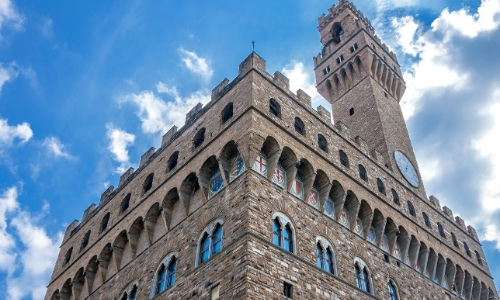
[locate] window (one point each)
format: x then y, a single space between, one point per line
287 290
385 94
426 220
362 173
214 293
148 183
227 112
326 70
324 258
380 185
411 210
130 295
274 108
441 230
478 257
340 59
323 145
343 158
104 222
165 277
125 203
454 239
392 291
362 279
385 58
199 138
467 249
67 257
283 234
395 197
299 126
211 243
354 47
172 161
85 240
351 111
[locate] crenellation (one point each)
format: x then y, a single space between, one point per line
435 202
324 113
363 146
304 98
107 195
87 213
167 137
472 232
193 113
448 213
125 177
219 90
281 80
253 61
147 156
460 222
70 230
342 129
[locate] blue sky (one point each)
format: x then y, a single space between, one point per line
86 87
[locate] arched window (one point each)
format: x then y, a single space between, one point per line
131 294
441 230
380 185
67 257
104 222
148 183
85 240
323 145
343 159
299 126
395 197
199 138
411 210
325 258
165 276
426 220
478 257
125 203
454 239
172 161
227 112
274 108
283 234
467 250
211 242
392 291
363 279
362 173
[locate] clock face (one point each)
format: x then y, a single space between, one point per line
406 168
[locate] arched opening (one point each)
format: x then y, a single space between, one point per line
85 240
188 192
400 249
322 143
199 138
348 214
227 113
67 257
134 234
104 260
148 183
172 161
172 209
231 161
381 186
285 170
211 177
336 32
78 282
125 203
274 108
344 160
319 190
413 252
364 219
411 210
362 173
151 221
299 126
395 197
90 272
118 247
335 201
376 228
423 255
303 180
389 237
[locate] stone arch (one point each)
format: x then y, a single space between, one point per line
423 256
440 270
265 161
395 285
449 275
491 294
468 282
319 190
90 272
476 288
337 196
484 291
432 260
227 112
131 288
403 244
56 295
364 218
231 161
189 188
286 165
199 138
66 290
151 220
173 211
413 251
304 179
134 234
351 204
78 283
210 172
458 282
118 247
378 226
390 231
104 259
104 222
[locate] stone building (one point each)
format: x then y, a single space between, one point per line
260 196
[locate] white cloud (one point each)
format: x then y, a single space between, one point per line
196 64
9 16
302 79
157 115
9 133
27 252
7 73
47 27
119 141
55 147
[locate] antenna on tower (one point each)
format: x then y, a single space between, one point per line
253 45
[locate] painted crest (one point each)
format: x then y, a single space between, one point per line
237 167
260 165
329 209
279 176
216 183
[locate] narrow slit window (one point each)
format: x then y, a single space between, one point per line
323 145
274 107
199 138
148 183
299 126
362 173
343 159
351 111
227 113
287 290
354 47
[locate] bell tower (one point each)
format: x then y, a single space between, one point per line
362 80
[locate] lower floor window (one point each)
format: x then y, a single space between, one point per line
287 290
362 279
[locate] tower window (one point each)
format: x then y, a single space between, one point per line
283 234
362 278
454 239
411 210
380 185
340 59
85 241
299 126
325 258
362 173
199 138
165 277
125 203
385 94
374 47
210 244
467 250
351 111
287 290
343 158
395 197
148 183
323 145
227 112
274 107
441 230
105 220
392 291
426 220
172 161
478 257
67 257
214 293
326 70
385 58
354 47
